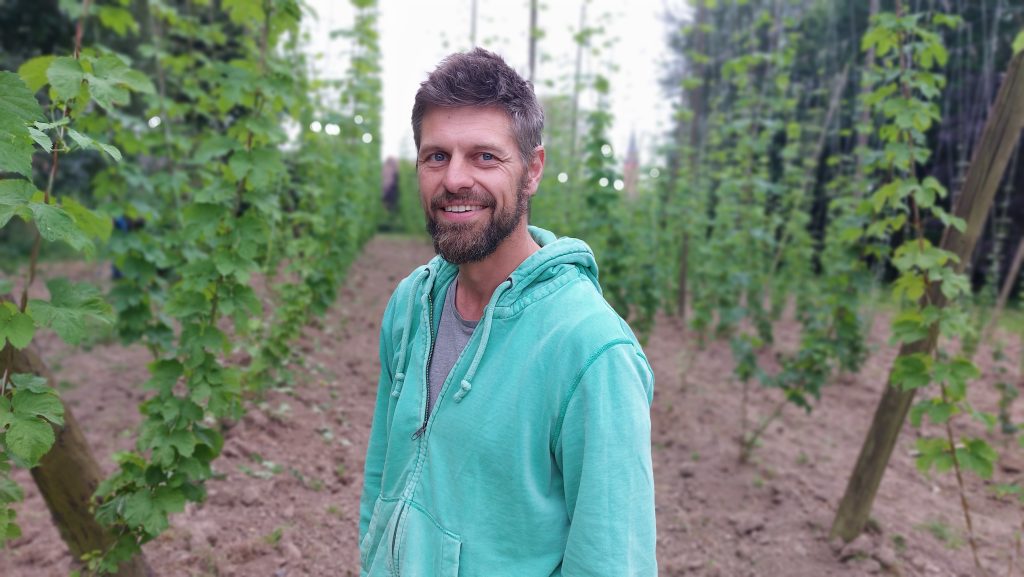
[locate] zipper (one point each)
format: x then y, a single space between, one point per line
430 359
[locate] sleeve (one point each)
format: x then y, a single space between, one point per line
377 447
605 449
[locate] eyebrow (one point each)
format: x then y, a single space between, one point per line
484 145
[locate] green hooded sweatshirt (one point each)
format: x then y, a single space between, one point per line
535 460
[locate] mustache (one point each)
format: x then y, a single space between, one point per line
446 198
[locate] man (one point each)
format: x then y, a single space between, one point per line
512 428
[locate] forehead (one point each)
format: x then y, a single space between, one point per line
467 126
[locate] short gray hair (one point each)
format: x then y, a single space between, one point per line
482 78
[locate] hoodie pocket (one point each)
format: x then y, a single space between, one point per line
383 510
424 548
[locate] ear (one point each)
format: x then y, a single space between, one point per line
535 170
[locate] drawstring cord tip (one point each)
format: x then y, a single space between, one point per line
463 391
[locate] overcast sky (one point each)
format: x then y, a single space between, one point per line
415 36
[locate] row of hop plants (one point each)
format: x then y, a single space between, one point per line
744 207
746 211
234 234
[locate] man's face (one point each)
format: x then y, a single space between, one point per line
473 184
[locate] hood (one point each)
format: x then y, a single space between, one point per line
554 256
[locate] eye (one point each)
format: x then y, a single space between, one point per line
437 157
486 156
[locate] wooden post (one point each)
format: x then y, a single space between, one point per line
533 41
472 25
865 113
991 155
1004 293
696 97
67 477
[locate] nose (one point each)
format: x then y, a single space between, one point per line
458 175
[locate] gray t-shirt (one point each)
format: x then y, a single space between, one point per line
452 336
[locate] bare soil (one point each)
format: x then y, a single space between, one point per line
286 499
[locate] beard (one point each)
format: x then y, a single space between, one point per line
463 242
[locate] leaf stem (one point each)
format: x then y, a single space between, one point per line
80 28
55 162
33 262
960 486
6 380
747 446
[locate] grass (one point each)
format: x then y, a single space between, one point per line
941 530
274 537
311 483
899 542
335 511
266 470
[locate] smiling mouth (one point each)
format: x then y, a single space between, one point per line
462 208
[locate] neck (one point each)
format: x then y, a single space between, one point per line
477 280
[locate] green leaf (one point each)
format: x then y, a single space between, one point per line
65 75
202 218
69 308
909 327
940 412
1018 43
917 412
184 442
14 199
55 224
103 84
83 141
95 224
32 404
29 438
18 107
186 303
117 19
16 100
15 326
111 151
231 263
214 146
10 492
978 456
112 80
911 371
86 143
41 138
33 72
933 452
953 283
910 285
51 125
140 510
8 528
6 286
956 374
244 11
165 374
33 383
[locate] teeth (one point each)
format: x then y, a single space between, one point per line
460 208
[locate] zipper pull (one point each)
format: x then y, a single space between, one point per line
419 432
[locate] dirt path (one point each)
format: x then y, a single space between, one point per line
286 501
